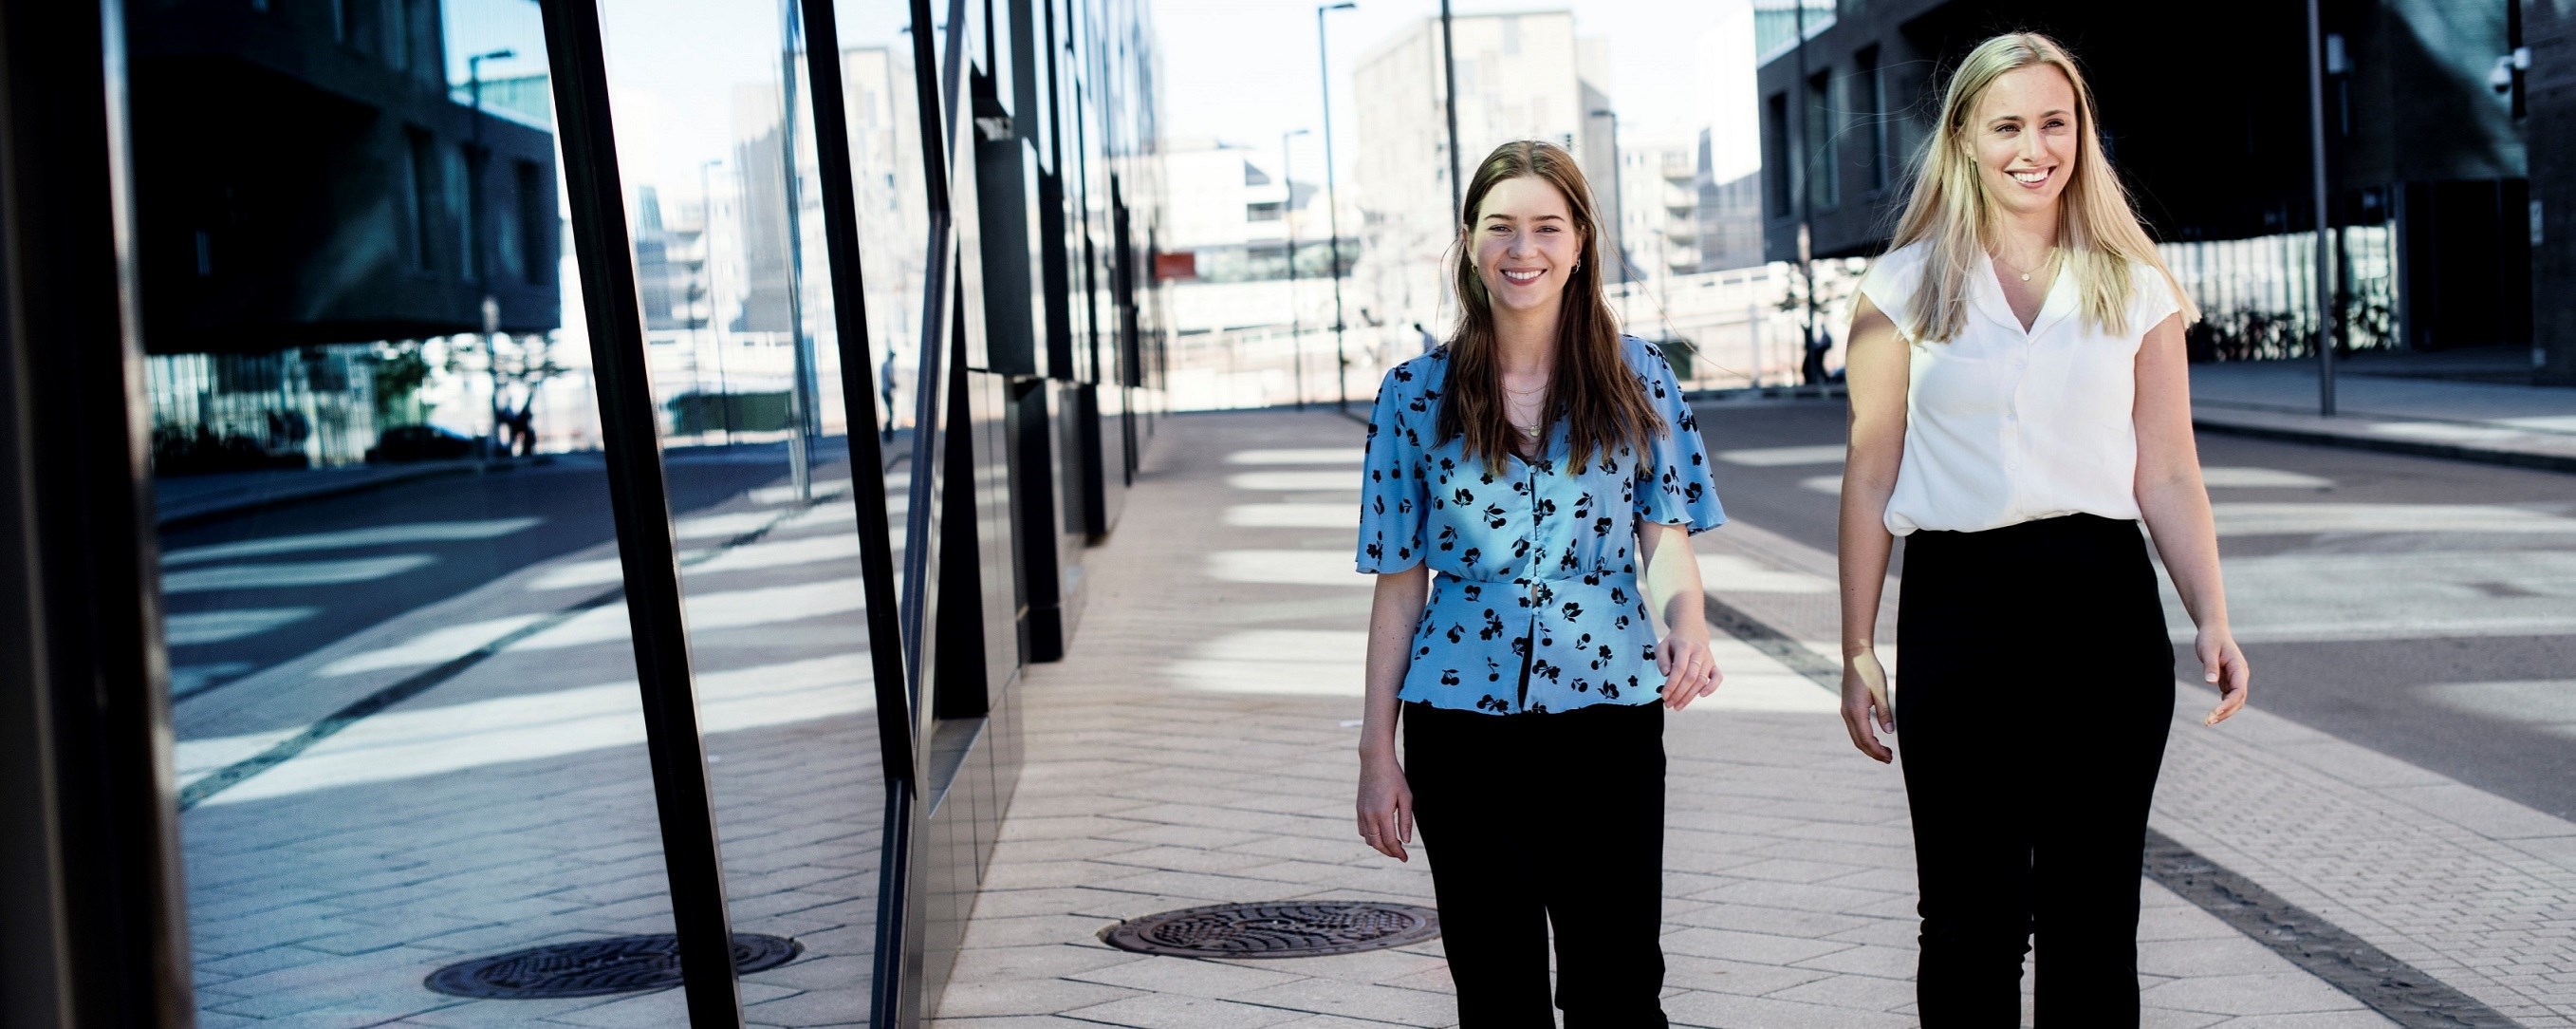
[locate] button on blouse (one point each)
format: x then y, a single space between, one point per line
1535 606
2005 425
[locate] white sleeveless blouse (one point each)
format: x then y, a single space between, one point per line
2004 426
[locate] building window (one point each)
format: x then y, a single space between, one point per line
1872 103
1778 177
398 36
465 210
420 199
1267 211
535 224
1824 147
359 23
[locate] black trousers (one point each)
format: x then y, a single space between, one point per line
2034 691
1530 820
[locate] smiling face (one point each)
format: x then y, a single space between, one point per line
1526 244
2023 137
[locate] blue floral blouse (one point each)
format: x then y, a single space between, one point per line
1536 606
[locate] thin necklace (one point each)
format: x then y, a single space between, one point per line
2025 276
1530 431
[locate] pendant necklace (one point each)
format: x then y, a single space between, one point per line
1530 431
2025 276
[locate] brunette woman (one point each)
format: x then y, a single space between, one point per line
1548 470
2018 406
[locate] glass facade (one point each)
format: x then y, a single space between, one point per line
590 473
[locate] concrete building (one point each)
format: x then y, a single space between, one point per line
1660 207
2432 195
1520 76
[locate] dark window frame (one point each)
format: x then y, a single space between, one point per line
1780 198
1872 89
421 187
1823 143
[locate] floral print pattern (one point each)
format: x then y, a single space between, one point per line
1535 607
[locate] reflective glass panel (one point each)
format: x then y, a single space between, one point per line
714 116
408 729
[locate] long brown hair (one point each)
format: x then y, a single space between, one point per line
1591 389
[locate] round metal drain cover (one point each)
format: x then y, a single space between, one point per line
1285 930
593 968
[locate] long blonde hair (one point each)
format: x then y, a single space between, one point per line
1593 392
2097 227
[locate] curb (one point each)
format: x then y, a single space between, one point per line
1742 394
2415 448
188 518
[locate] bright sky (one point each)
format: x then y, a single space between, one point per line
1216 83
1237 70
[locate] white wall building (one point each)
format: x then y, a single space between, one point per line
1520 76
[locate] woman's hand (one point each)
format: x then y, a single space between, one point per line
2223 666
1690 671
1385 806
1866 712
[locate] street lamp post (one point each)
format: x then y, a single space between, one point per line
1288 221
2326 305
1449 73
474 230
1619 215
1811 367
1333 206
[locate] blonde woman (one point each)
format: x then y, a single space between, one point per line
1546 467
2018 405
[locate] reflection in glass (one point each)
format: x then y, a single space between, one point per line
373 436
715 123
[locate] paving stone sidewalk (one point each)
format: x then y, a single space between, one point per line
511 805
2472 889
2530 426
1197 747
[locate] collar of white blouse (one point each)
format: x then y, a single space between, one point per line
1986 297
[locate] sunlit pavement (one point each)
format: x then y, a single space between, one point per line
1197 747
508 802
2514 423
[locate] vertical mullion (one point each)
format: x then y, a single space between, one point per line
903 703
893 1001
858 374
641 510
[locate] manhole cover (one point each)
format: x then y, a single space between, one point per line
1275 930
593 968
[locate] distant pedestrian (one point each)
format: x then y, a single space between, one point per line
2019 403
523 428
1546 467
885 389
1429 341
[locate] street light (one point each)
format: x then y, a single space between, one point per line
707 284
1811 366
1619 222
474 228
1288 220
1333 205
1449 75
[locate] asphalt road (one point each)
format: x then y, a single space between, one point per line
2423 608
253 591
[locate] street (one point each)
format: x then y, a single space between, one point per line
247 593
2425 609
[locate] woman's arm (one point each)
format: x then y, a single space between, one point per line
1672 586
1874 371
2176 507
1385 802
